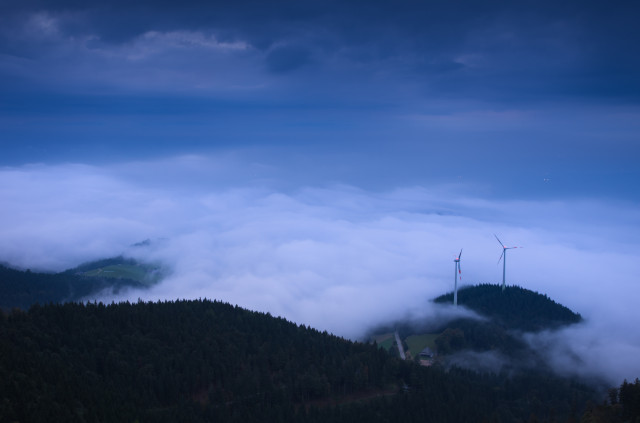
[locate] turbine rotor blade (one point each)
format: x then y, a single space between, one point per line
501 257
460 255
499 240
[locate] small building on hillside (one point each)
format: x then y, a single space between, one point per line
426 353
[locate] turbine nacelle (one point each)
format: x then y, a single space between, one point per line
457 260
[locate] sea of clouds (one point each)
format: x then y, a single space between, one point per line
335 257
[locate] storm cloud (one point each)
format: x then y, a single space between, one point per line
497 51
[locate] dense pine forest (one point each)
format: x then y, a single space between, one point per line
622 405
210 361
514 308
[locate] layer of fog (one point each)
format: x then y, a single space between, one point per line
485 361
336 257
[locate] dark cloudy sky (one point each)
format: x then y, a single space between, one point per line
291 156
506 94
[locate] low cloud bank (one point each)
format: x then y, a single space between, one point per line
336 257
600 350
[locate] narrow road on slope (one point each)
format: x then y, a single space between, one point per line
400 347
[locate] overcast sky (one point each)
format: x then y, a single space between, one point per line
507 94
326 160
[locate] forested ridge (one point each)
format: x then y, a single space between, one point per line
23 288
210 361
514 308
505 314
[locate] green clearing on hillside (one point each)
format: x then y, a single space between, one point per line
127 271
121 268
385 341
23 288
417 343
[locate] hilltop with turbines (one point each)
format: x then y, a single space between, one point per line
501 314
458 270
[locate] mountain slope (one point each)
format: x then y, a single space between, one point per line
515 308
504 315
22 289
210 361
508 312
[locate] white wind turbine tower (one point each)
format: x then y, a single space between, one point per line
457 271
503 257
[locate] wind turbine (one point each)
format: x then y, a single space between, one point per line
504 261
457 271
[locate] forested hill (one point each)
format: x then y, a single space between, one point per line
23 288
203 361
515 308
